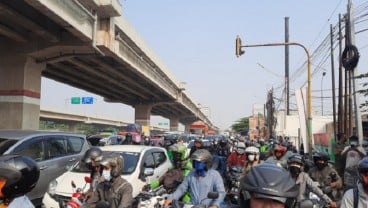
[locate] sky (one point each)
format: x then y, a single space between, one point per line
196 41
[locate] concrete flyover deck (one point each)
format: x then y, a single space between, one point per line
86 44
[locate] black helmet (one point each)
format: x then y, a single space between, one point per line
116 162
202 155
296 158
267 180
321 156
93 154
21 174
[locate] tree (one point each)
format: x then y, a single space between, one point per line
241 125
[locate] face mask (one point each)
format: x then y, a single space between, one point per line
200 168
251 157
294 170
106 174
320 166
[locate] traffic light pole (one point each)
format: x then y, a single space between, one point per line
309 91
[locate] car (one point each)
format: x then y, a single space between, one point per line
111 140
54 152
138 161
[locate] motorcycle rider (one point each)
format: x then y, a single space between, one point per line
238 157
252 154
113 190
91 159
18 176
263 149
326 176
267 185
295 165
173 177
279 156
222 152
357 196
200 181
197 145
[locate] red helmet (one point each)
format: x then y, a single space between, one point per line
280 148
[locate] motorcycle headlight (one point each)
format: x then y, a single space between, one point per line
52 187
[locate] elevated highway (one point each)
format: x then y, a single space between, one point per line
86 44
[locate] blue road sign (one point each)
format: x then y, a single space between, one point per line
87 100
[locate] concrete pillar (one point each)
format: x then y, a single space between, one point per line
73 127
187 128
174 124
20 86
143 116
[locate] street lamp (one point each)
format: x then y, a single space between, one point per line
323 75
239 52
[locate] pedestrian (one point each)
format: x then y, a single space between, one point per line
18 176
353 153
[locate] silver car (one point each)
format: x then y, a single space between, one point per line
53 151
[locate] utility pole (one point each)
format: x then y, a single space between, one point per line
351 61
287 107
341 128
333 83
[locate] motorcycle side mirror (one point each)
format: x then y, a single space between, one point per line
73 184
88 179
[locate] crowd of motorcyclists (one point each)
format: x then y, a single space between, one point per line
243 173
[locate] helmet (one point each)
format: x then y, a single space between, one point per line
223 142
296 158
240 148
93 154
281 149
202 155
252 151
116 162
21 174
267 180
354 141
295 164
321 156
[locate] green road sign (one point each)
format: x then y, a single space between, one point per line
75 100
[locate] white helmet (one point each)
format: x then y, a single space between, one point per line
252 153
240 148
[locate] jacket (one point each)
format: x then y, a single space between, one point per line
347 200
306 183
117 192
236 160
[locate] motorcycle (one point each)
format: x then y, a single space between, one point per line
152 198
233 178
79 195
179 204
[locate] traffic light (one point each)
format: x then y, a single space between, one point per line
238 46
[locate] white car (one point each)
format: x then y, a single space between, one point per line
137 160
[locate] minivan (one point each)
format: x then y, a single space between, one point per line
54 152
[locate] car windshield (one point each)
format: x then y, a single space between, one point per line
130 163
5 144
